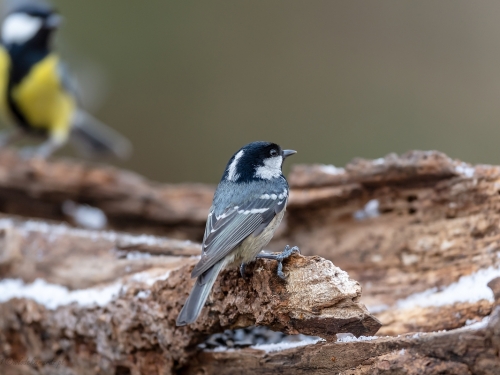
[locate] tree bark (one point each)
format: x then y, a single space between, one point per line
399 225
137 326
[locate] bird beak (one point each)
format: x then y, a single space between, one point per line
287 153
53 21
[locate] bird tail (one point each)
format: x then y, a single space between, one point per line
93 138
199 295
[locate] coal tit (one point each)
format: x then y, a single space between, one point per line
247 207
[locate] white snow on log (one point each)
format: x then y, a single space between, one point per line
220 349
143 294
52 296
370 210
471 288
84 215
465 170
122 239
375 309
349 337
269 348
331 169
149 278
477 325
134 255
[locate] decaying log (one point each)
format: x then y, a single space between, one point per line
132 322
38 188
401 225
468 350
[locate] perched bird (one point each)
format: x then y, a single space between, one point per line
36 93
247 207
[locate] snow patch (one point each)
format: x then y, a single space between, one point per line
147 278
221 349
62 229
85 215
52 296
473 324
370 210
465 170
269 348
471 288
134 255
375 309
349 337
143 294
331 169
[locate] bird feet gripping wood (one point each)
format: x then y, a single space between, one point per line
285 254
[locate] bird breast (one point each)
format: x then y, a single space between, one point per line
252 245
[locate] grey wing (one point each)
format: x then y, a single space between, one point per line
227 231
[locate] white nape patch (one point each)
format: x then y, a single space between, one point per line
231 172
84 215
471 288
52 295
254 211
370 210
269 348
270 169
19 28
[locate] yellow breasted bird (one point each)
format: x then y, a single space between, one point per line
36 93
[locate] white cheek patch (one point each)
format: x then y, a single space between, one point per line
231 172
19 28
270 169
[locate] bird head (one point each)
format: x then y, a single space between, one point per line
256 161
30 24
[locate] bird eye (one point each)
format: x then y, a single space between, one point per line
274 152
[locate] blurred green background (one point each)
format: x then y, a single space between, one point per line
189 82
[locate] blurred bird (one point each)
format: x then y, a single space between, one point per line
36 92
248 206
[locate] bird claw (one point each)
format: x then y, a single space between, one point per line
285 254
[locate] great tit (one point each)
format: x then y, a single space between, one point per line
247 207
37 95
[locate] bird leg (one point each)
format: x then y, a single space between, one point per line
242 270
280 258
42 151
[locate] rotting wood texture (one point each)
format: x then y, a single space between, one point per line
463 351
136 328
399 225
38 188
